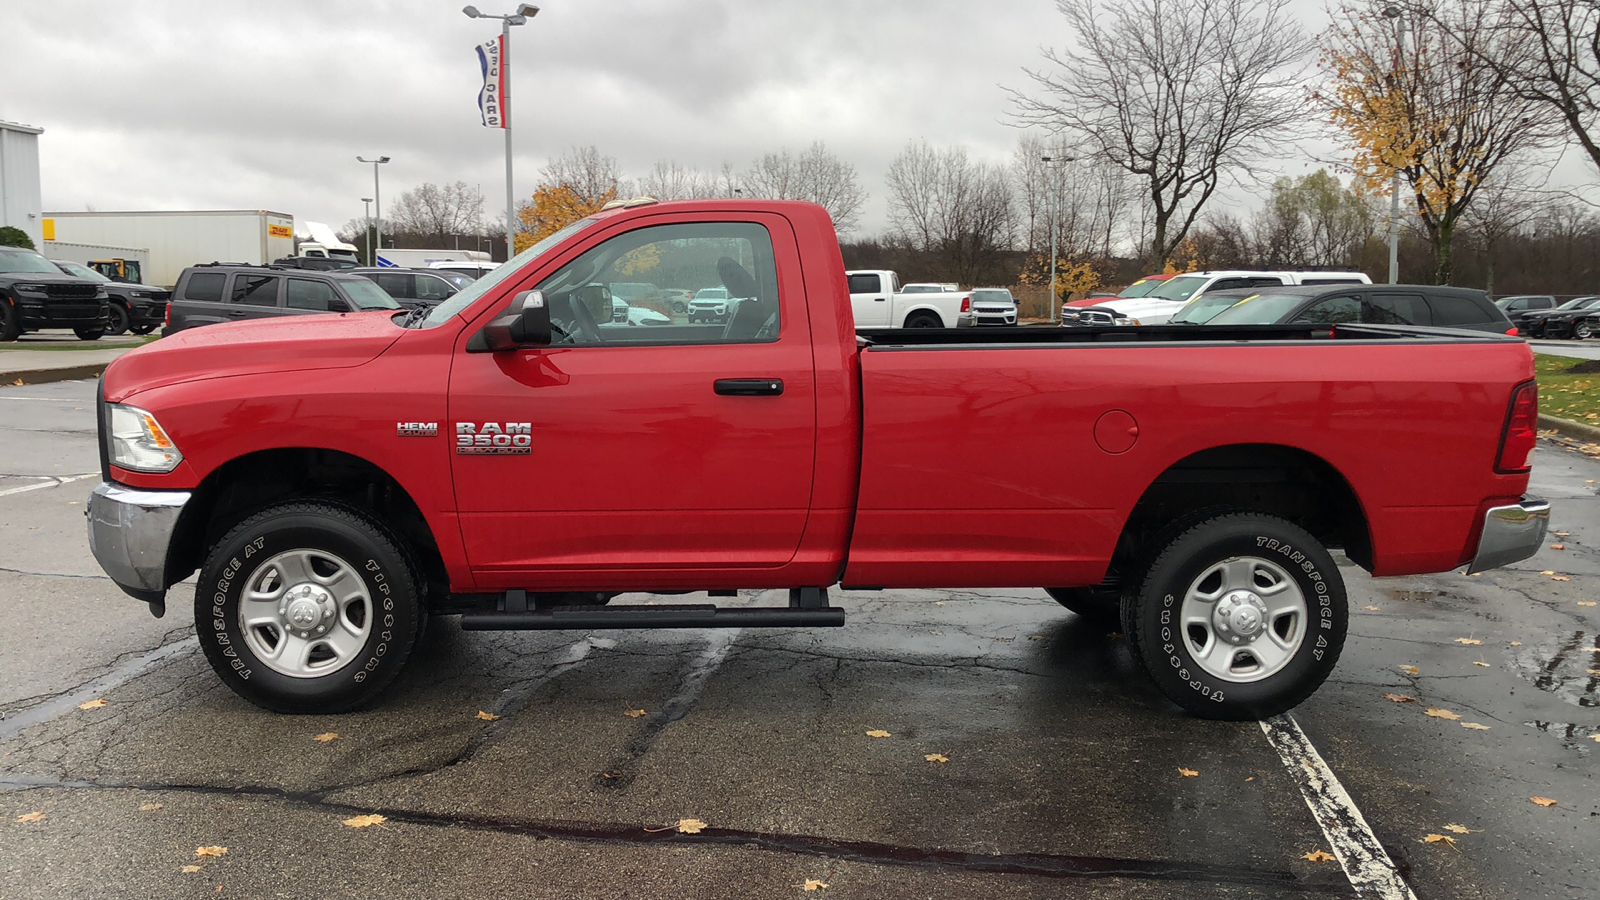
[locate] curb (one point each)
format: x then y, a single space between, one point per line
1570 428
45 376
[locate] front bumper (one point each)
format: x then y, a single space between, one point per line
130 531
1511 533
38 312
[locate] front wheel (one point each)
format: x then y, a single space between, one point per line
117 321
308 607
1241 616
89 334
1098 604
1582 331
10 321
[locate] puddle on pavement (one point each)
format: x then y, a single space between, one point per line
1568 668
1572 736
1413 596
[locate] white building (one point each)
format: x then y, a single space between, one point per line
21 205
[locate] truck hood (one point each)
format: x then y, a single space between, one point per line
293 343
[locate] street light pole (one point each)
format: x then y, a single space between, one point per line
366 218
377 202
524 12
1055 210
1394 12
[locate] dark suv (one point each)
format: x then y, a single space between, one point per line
1375 304
35 294
415 287
227 292
138 308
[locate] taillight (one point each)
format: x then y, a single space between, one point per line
1521 431
167 319
966 304
1512 331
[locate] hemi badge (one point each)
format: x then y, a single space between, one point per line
416 429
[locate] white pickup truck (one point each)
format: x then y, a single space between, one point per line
878 301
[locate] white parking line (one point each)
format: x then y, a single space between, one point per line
53 482
1366 864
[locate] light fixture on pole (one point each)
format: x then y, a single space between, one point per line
1394 12
366 226
377 202
525 11
1055 209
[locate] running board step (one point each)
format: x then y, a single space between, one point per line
703 615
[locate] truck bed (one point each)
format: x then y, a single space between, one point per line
1164 334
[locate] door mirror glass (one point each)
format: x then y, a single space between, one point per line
526 324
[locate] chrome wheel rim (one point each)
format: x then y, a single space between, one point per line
1243 619
305 613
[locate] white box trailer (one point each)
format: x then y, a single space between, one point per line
136 259
179 239
406 258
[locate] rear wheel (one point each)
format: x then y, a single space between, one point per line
924 320
117 322
1241 616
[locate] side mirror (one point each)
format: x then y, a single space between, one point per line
526 325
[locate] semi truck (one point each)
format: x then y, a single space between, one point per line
179 239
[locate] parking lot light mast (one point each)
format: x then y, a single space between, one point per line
524 12
1055 209
1394 12
366 218
377 202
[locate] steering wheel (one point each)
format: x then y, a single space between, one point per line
583 320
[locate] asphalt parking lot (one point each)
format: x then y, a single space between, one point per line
1019 752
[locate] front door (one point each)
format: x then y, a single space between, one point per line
643 452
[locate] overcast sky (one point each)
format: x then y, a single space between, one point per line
215 104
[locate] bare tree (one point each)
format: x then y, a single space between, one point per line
671 181
1504 205
956 211
435 213
587 174
1179 93
814 175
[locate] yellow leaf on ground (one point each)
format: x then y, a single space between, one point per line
1370 608
1558 546
34 816
1460 829
1559 578
210 851
189 870
813 885
1468 641
1474 726
1187 773
149 807
93 704
1543 801
1443 714
1595 738
1586 602
633 713
487 716
937 758
1516 643
1318 856
690 826
1482 664
17 383
326 736
878 733
1440 839
364 821
1548 572
1411 670
1399 698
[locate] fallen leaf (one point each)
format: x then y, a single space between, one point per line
1468 641
189 870
1399 698
210 851
1586 602
877 733
1443 714
813 885
1516 643
1035 637
633 713
1250 779
1595 737
1543 801
1370 608
690 826
1560 578
326 736
1558 546
1563 533
1461 829
1411 670
34 816
1474 726
937 758
93 704
487 716
364 821
149 807
1482 664
1187 773
1440 839
1548 572
1318 856
17 383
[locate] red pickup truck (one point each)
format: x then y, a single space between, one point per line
513 457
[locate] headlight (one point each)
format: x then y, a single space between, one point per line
138 442
137 295
33 288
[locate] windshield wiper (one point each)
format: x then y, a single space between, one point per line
415 315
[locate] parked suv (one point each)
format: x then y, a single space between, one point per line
412 288
1518 308
35 294
138 308
226 292
1163 303
994 306
1560 322
1386 304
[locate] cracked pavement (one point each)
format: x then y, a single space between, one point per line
1063 773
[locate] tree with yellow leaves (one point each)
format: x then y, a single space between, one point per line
1432 111
554 207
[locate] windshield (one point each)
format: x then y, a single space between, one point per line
1142 288
15 259
1579 303
72 268
1181 288
367 295
1261 309
442 313
992 296
1202 308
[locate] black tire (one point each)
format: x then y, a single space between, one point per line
117 319
1272 548
89 334
1098 604
680 307
142 329
386 595
1582 331
924 320
10 321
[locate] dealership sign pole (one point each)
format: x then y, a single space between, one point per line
494 99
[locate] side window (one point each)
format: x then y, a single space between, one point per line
1544 303
734 258
255 290
865 284
1448 310
1516 306
205 286
395 284
1227 284
303 293
1331 310
1261 281
1397 309
431 289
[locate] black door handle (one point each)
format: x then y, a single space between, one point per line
879 299
748 387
